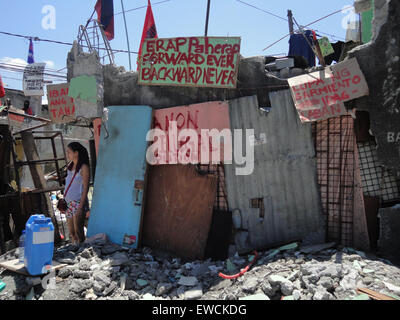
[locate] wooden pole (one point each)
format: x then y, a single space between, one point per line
31 154
290 21
207 16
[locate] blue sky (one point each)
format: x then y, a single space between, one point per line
173 18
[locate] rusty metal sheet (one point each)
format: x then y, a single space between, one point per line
279 202
178 210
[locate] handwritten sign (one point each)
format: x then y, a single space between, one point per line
15 120
322 113
209 115
336 84
193 61
61 106
33 79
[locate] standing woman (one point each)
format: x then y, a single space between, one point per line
76 197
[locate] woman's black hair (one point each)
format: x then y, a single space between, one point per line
83 156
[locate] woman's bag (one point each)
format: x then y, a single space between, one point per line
62 204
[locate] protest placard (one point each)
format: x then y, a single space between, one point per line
61 106
320 95
338 83
322 113
193 61
33 79
210 116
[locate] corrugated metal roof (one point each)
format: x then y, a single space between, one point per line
285 175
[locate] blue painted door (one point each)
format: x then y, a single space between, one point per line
120 173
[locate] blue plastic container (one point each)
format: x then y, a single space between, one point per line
39 245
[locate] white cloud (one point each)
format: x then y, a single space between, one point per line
50 64
20 62
15 61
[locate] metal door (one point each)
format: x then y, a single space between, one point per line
120 175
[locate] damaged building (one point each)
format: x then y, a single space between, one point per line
330 179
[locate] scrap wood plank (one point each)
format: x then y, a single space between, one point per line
15 266
374 295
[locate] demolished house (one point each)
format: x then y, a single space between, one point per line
315 178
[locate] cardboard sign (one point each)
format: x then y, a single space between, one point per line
33 79
61 106
194 61
15 120
336 84
209 115
322 113
325 46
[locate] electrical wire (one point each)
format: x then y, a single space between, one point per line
16 65
265 11
153 4
282 18
59 42
318 20
19 70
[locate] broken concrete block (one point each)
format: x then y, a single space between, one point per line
392 288
296 294
188 281
357 265
141 283
317 247
148 296
258 296
250 285
362 5
119 258
366 271
193 294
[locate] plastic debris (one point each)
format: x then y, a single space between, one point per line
229 266
242 272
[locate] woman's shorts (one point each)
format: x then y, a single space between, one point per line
73 208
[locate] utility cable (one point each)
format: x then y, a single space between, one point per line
318 20
59 42
265 11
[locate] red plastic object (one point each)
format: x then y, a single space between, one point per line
242 272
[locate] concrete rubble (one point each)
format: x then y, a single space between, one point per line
105 271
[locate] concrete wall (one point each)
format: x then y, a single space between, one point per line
380 62
389 239
121 88
17 98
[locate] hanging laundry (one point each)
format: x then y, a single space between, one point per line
335 56
299 46
326 47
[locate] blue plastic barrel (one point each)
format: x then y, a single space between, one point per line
39 244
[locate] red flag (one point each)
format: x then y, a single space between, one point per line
2 91
105 15
149 28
